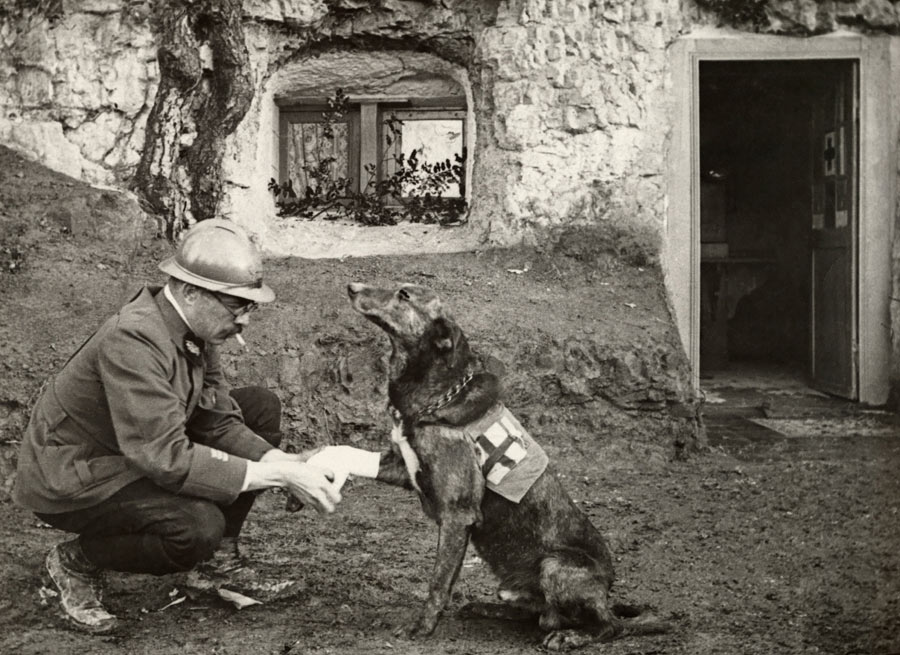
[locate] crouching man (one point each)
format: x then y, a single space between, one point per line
138 447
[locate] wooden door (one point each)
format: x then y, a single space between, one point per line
834 228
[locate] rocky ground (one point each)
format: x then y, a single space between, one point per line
753 545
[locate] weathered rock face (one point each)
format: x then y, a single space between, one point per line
578 112
806 16
76 88
569 98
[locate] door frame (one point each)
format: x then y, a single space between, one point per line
877 171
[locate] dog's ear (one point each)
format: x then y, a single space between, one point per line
446 337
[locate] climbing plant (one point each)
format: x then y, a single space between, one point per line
414 191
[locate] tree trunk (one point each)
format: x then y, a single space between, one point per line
205 89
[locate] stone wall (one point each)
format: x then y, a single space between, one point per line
75 89
578 99
570 97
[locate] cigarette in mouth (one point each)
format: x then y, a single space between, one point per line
240 340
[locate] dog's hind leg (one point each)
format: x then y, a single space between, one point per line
514 606
570 639
598 625
577 611
502 611
453 538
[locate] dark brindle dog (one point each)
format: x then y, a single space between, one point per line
456 445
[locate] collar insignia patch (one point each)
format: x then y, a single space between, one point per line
192 346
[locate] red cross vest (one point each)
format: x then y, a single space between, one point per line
511 461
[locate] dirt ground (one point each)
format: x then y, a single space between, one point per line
756 545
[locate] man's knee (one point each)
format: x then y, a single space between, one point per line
261 410
196 532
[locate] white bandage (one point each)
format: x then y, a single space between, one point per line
355 461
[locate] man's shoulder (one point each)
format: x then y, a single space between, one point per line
141 317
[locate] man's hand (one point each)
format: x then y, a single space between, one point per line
314 484
311 484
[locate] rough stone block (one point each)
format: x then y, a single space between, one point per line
42 141
523 126
33 86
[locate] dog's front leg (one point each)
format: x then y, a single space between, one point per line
453 538
392 470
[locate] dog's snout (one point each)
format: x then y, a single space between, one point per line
354 288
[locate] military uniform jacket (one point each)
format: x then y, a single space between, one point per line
135 402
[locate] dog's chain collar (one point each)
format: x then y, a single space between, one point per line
447 396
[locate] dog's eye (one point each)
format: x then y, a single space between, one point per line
403 294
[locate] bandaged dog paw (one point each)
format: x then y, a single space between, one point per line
347 460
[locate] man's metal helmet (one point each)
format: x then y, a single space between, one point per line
216 254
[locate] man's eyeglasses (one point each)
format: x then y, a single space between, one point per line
234 306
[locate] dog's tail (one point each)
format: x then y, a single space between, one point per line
633 621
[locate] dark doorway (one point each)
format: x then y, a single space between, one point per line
768 192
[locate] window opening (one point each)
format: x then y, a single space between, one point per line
432 137
315 150
372 160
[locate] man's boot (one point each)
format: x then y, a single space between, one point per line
228 557
229 569
79 585
226 567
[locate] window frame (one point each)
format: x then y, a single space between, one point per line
312 113
404 112
309 109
